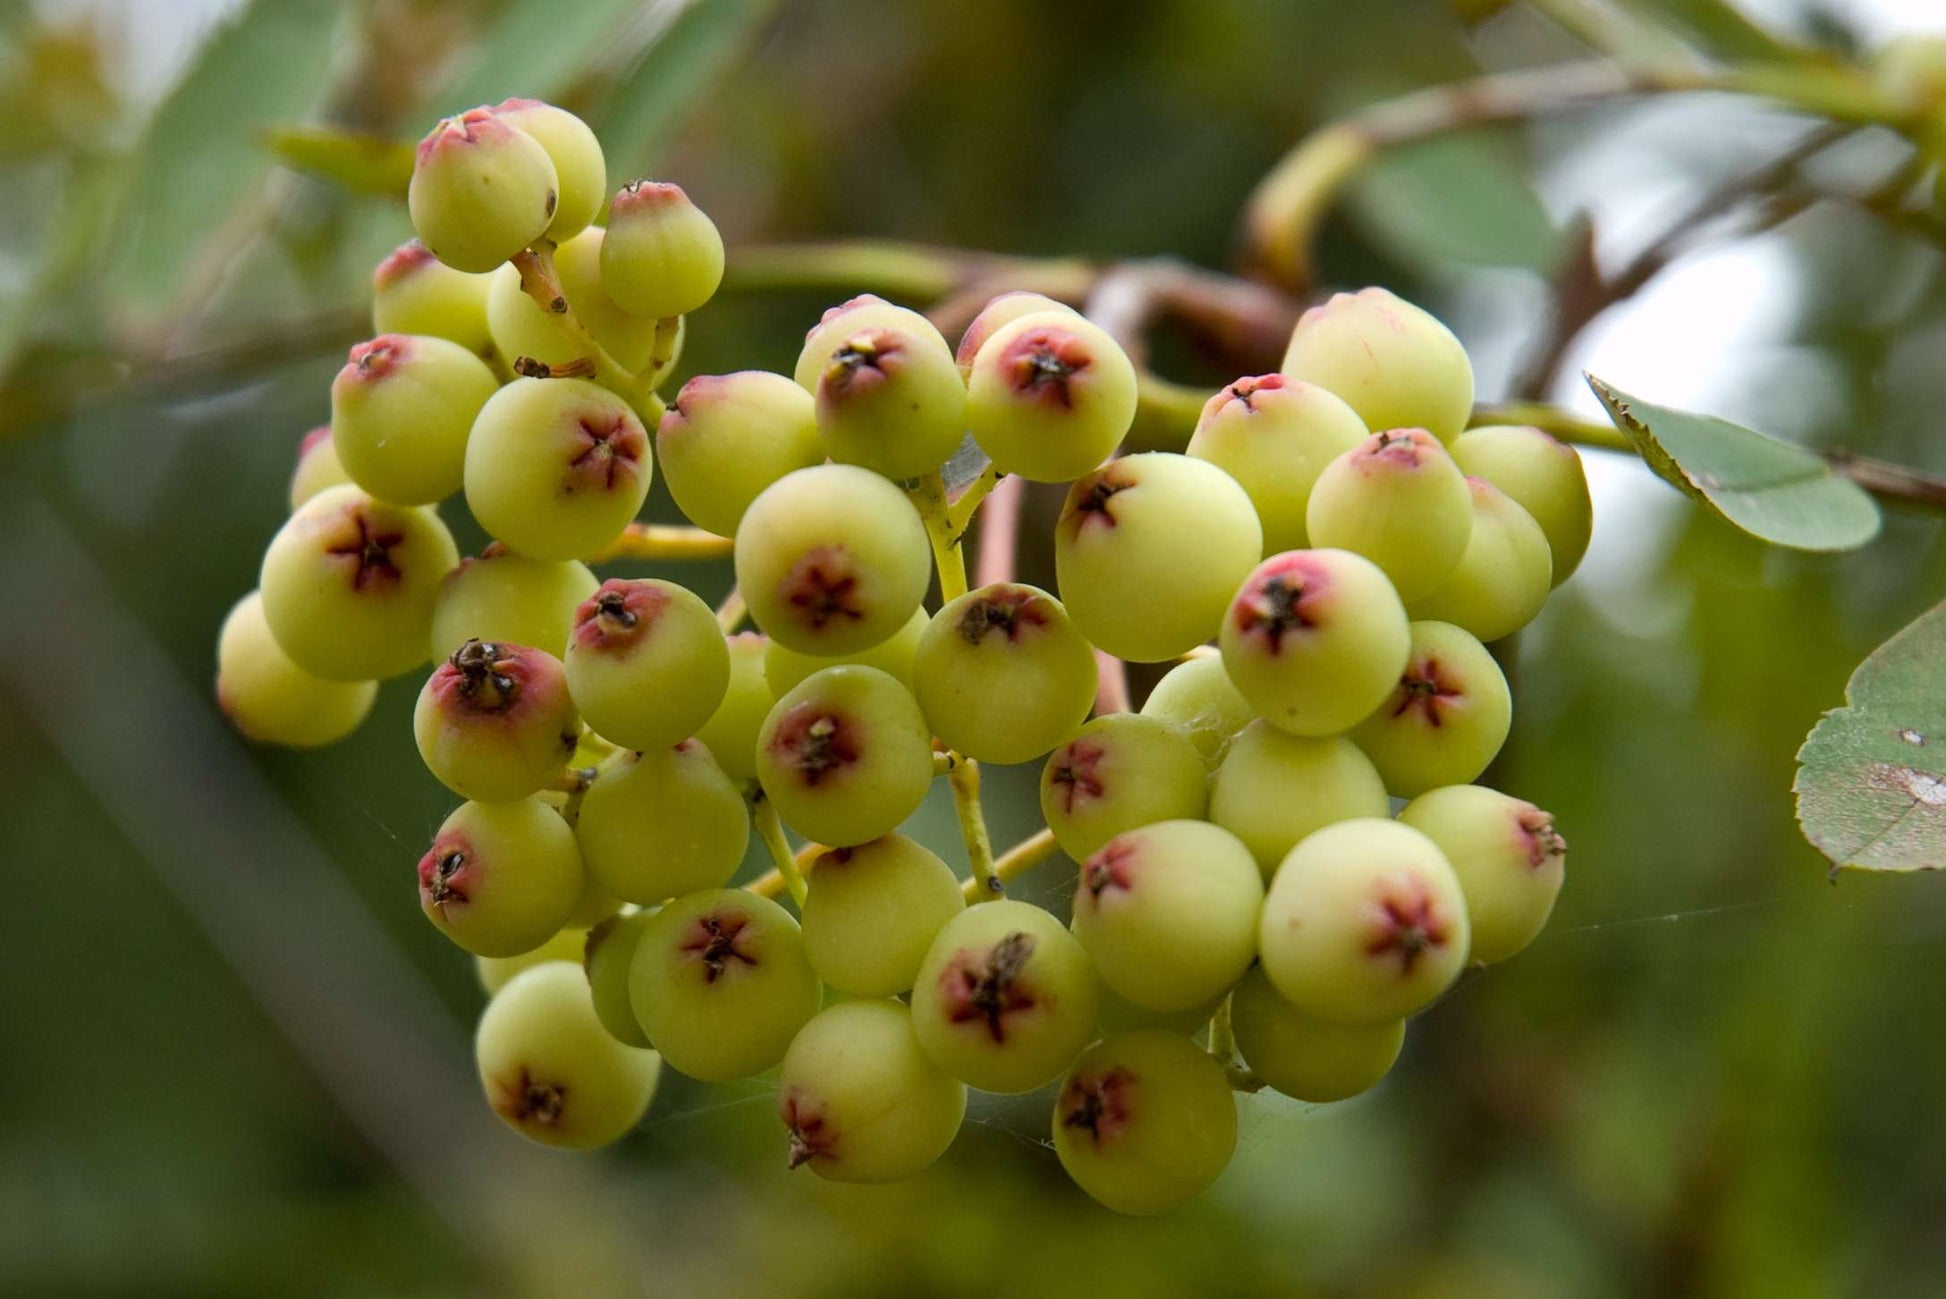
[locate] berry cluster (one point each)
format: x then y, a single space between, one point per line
1243 882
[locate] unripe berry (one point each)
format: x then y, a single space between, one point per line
663 256
1198 699
579 169
1504 574
647 663
1399 500
890 398
1364 923
494 722
727 437
1119 1015
1544 476
832 560
1049 396
271 699
861 1101
1275 436
1306 1058
349 582
608 953
1390 361
595 903
1315 640
845 756
1005 999
997 313
662 823
731 731
521 328
500 878
551 1071
401 410
873 910
1509 858
500 596
1121 771
1002 674
496 972
481 191
414 292
317 468
720 984
1446 718
1148 551
1275 789
556 468
784 667
1168 912
1146 1122
866 311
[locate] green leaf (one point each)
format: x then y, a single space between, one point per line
535 49
674 72
1775 491
202 153
365 164
1462 198
1871 778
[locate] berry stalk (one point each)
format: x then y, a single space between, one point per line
771 831
960 512
666 541
929 497
964 778
539 281
731 613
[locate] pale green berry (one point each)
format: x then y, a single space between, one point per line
1198 698
1002 675
271 699
1314 640
495 972
500 878
401 409
551 1071
1390 361
1148 551
1504 574
1399 500
647 663
595 904
556 468
579 168
663 256
784 667
1120 771
1307 1058
494 721
1544 476
1006 997
832 560
1276 788
867 311
1119 1015
999 312
861 1101
872 911
1509 858
1364 923
662 823
318 467
414 292
608 955
349 584
481 191
731 731
891 399
521 328
1169 913
721 985
500 596
1145 1122
1275 436
727 437
845 757
1446 717
1049 396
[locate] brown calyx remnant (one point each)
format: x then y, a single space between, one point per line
823 585
1111 868
1243 392
1091 499
445 874
1281 598
1076 774
1041 364
863 363
620 615
609 449
1430 688
1399 448
1098 1103
483 676
1407 923
718 939
1544 842
813 741
369 546
988 985
811 1138
1004 608
529 1100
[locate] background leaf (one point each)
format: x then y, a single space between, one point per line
365 164
534 49
685 61
1777 492
1871 780
1462 199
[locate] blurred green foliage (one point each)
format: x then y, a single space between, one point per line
1715 1074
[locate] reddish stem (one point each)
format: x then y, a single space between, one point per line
999 531
1111 694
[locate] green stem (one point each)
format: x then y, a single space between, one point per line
929 495
964 777
539 281
960 513
771 831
